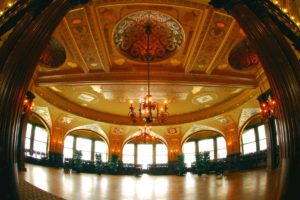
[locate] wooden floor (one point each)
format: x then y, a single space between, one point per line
246 185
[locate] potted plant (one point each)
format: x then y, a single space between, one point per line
180 165
113 163
206 163
99 163
199 163
202 162
77 161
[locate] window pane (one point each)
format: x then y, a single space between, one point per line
28 130
144 155
40 146
101 147
27 143
69 142
189 149
206 145
221 143
249 148
222 153
85 145
248 136
262 144
261 132
68 153
222 150
40 134
161 154
128 153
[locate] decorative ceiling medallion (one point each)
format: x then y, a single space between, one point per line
87 97
131 33
243 56
53 55
204 98
173 131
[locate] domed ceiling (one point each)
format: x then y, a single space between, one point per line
106 64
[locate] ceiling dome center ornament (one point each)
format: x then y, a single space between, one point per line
164 33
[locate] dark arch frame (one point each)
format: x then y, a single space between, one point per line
34 30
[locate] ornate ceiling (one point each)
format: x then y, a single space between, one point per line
101 71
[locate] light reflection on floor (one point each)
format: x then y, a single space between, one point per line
249 185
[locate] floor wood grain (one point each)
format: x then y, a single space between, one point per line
245 185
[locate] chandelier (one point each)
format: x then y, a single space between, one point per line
148 110
28 103
267 104
266 101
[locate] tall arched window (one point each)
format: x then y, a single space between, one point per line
89 143
143 153
201 142
254 138
36 140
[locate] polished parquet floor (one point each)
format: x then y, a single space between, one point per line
245 185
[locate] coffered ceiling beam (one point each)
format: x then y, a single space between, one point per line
139 78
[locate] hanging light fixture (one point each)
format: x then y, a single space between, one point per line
28 103
267 104
148 109
266 101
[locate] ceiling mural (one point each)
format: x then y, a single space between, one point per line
80 28
219 26
246 114
92 127
148 36
44 113
53 55
243 56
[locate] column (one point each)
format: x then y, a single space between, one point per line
18 60
272 154
21 142
215 149
93 151
282 70
154 154
135 154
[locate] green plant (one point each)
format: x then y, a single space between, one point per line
99 163
180 165
202 162
77 161
113 163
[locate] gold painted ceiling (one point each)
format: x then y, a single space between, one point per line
96 81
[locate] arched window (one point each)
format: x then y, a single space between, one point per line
88 142
145 153
36 139
254 138
201 142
